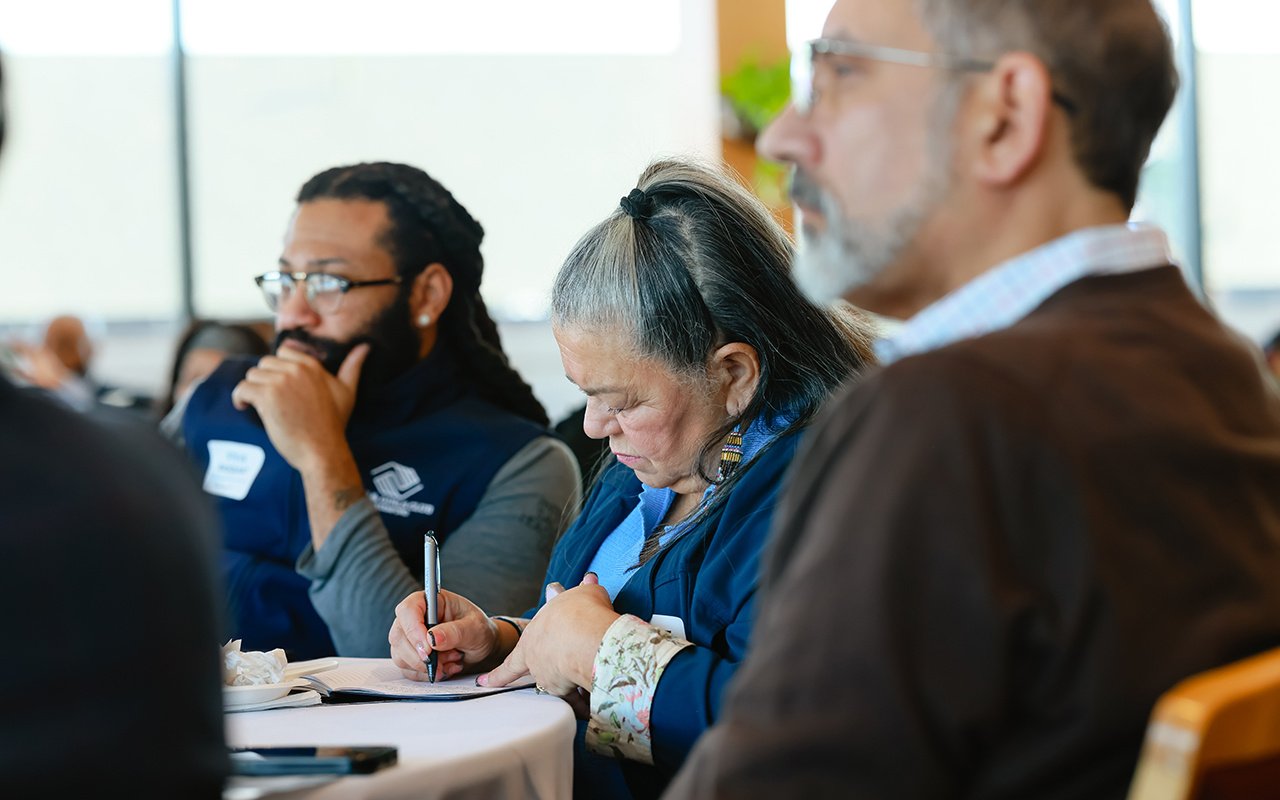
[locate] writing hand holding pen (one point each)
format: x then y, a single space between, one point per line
465 639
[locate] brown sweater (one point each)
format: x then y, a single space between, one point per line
993 557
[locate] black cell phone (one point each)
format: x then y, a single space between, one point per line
311 760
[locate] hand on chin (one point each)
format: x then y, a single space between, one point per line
303 408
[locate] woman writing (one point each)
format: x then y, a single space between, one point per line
701 363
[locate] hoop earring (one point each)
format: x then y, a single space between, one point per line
731 455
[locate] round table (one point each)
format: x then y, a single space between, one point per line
512 745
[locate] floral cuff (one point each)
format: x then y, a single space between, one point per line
629 663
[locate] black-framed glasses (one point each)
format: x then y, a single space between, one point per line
324 290
808 68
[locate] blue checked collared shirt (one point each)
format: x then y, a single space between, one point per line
1008 292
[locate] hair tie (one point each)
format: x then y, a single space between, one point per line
637 204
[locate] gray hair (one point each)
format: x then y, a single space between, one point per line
693 261
1111 59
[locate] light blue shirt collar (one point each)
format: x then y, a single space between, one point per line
1009 291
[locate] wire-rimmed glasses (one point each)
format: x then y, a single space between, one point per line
806 63
324 290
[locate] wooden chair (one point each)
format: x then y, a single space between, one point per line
1215 736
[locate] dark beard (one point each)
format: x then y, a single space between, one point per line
393 346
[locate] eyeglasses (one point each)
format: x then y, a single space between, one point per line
809 72
324 291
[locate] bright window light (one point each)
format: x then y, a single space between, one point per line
805 19
1236 26
409 27
85 27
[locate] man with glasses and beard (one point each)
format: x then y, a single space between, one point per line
1061 493
388 410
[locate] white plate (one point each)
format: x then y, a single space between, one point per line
295 699
260 693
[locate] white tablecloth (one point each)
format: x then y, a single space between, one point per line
512 745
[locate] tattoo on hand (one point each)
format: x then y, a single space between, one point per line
345 498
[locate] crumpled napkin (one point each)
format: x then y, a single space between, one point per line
252 667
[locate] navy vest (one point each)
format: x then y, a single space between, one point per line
427 448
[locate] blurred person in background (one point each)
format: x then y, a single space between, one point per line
61 364
1272 352
201 348
110 685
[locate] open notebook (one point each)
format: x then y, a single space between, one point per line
379 679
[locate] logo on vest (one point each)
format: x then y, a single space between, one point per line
395 484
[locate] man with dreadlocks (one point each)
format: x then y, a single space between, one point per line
388 410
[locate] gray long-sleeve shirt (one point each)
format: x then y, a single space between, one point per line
497 558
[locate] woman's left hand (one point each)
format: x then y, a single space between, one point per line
558 647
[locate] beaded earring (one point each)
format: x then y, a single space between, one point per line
731 455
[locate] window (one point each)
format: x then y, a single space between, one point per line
538 116
1238 64
537 124
87 194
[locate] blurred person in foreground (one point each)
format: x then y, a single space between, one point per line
387 409
702 365
111 679
1061 493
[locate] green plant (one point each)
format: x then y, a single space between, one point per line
756 92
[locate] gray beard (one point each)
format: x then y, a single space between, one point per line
849 253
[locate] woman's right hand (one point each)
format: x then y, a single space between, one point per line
464 639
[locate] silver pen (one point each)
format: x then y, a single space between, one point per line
431 578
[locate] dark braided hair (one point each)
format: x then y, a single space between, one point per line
427 226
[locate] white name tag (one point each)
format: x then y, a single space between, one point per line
672 625
233 466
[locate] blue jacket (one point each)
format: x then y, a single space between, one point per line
707 578
426 446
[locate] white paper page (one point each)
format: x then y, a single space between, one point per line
380 676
